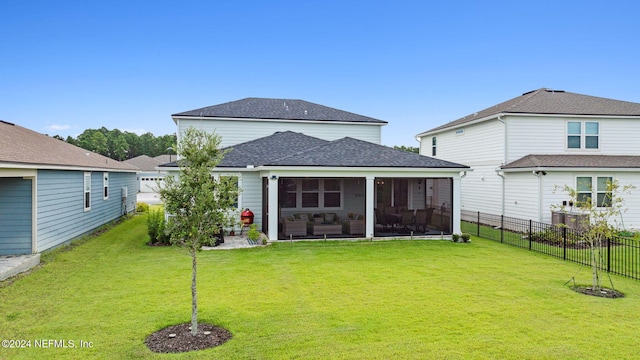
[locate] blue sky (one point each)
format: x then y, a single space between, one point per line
66 66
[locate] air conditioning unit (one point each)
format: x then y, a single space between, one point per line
557 217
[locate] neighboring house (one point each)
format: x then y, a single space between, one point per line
149 175
521 150
296 161
52 192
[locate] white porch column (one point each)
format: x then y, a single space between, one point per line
455 207
273 209
370 222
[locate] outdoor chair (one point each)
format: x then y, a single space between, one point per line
407 221
423 218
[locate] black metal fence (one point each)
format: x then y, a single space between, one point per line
620 255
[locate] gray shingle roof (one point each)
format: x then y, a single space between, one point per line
268 149
547 101
349 152
286 109
19 145
295 149
575 161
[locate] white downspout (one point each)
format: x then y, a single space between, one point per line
504 162
539 174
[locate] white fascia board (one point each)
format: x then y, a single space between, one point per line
176 119
569 169
61 167
486 118
504 114
360 172
24 173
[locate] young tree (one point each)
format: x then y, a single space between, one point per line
198 203
601 223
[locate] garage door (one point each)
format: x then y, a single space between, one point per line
15 216
148 184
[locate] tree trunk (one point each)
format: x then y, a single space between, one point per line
194 297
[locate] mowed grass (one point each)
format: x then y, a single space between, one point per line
319 300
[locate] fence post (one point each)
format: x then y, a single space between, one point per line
608 254
530 232
502 228
478 223
564 243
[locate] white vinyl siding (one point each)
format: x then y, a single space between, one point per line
237 131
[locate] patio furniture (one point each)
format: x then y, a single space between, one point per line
407 220
355 227
423 218
294 227
327 229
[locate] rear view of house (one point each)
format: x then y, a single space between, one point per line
308 170
52 192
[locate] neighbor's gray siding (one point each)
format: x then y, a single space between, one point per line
61 215
15 216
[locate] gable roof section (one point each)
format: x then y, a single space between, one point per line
285 109
551 102
295 149
574 161
144 162
27 148
349 152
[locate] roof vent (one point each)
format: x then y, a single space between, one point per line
554 91
8 123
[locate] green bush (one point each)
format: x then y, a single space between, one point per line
156 225
253 233
142 207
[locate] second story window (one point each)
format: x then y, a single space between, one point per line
583 135
433 146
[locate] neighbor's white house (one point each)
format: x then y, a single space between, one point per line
521 150
310 170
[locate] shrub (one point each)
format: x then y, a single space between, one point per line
156 226
253 233
142 207
455 237
465 237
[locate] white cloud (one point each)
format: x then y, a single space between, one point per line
55 127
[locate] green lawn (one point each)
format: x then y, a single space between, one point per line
319 300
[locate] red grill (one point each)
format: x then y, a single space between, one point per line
246 217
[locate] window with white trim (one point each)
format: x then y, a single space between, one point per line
433 146
87 191
105 186
310 193
583 135
601 192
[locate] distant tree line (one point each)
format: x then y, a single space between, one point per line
412 149
123 145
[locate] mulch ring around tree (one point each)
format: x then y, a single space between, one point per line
603 292
178 338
